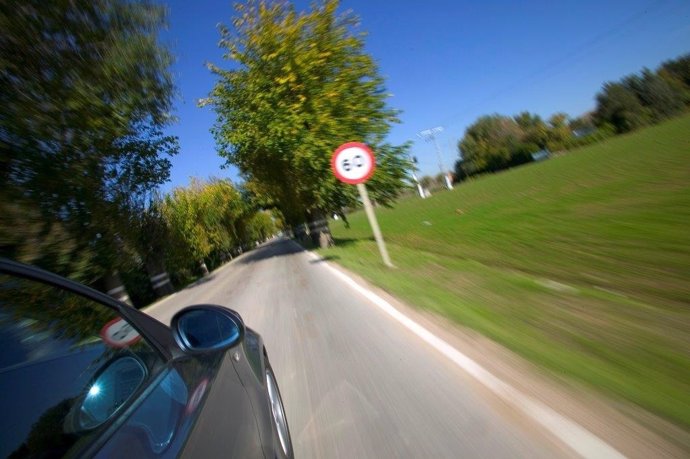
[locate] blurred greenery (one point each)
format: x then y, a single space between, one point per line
580 263
85 97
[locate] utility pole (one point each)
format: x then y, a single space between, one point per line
416 180
429 135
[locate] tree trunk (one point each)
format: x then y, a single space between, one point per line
300 232
319 231
160 281
116 288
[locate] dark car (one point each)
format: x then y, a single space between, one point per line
84 375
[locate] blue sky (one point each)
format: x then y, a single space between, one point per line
448 62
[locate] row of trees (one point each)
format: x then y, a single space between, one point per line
192 229
645 98
86 95
496 142
300 84
210 220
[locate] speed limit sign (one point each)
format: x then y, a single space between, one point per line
119 333
353 163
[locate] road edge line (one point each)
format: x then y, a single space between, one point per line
576 437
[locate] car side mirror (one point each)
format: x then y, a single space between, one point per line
204 328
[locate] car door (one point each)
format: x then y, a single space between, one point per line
69 368
84 378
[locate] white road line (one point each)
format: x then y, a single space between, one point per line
582 441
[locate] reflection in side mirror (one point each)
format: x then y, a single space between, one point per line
207 328
110 390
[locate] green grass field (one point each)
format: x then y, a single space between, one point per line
580 263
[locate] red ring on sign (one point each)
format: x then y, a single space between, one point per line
117 344
366 150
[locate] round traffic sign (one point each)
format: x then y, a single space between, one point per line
119 333
353 163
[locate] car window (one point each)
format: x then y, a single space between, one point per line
150 431
68 366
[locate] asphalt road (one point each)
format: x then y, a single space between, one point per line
355 383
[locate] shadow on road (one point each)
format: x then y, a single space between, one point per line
285 247
273 249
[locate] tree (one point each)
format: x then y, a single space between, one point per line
619 106
489 142
260 226
679 69
534 131
181 210
460 171
301 85
661 99
85 93
559 134
203 218
676 73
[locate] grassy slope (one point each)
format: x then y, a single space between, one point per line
580 263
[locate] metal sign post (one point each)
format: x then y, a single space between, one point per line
354 163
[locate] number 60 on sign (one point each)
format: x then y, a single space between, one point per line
353 163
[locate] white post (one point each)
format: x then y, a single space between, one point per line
374 224
419 186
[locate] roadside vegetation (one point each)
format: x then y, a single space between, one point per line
580 263
83 152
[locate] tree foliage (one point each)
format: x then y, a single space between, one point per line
301 85
677 74
558 133
211 217
260 226
85 94
200 217
535 131
648 97
495 142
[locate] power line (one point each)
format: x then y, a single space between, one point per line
556 63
